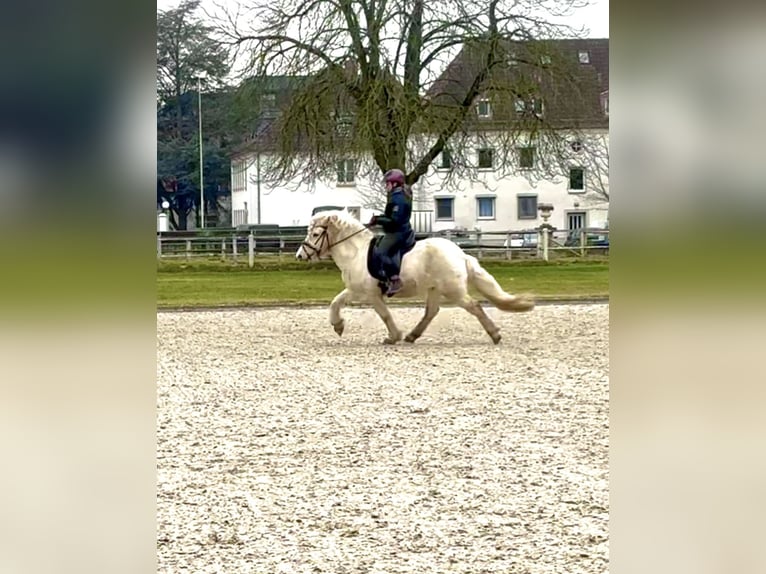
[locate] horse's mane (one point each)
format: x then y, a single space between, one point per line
345 219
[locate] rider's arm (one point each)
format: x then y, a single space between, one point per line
397 212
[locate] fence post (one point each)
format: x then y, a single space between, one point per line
251 250
223 249
478 242
582 243
508 246
188 249
159 246
234 248
545 242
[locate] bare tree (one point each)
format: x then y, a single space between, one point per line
595 162
395 83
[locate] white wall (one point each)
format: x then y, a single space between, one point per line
506 187
291 203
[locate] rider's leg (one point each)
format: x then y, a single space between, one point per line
387 248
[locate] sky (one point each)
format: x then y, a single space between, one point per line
594 17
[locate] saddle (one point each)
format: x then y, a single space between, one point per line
375 261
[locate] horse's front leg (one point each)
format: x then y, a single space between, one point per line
394 334
336 320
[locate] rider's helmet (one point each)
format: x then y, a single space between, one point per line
395 176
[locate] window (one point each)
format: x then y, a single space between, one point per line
239 176
532 105
512 59
483 108
486 157
576 179
343 125
445 208
269 105
445 159
485 208
584 57
346 171
576 146
526 206
526 157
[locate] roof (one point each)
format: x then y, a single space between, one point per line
264 97
571 89
551 70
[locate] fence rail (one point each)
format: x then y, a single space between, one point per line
535 244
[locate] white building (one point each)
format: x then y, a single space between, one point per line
493 199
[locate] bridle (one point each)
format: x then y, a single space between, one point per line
325 238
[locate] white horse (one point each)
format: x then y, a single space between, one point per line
435 269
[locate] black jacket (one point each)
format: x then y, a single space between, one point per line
397 214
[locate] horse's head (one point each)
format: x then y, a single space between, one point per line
326 229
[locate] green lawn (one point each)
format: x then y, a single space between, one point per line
212 284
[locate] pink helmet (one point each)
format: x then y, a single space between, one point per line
394 176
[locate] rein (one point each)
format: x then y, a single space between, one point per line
358 231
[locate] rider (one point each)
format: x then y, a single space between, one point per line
399 235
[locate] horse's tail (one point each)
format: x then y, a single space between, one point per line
490 288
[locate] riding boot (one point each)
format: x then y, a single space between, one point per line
394 286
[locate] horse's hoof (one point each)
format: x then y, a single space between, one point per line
390 341
496 338
339 326
411 338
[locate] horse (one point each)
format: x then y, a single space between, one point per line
435 269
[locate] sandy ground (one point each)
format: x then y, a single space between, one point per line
285 448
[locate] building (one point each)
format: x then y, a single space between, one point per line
481 180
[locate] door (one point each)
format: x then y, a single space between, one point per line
575 220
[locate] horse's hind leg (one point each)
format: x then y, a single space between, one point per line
432 308
394 334
474 308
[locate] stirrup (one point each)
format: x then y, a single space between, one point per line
391 291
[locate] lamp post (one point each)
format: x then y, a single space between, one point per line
162 217
200 77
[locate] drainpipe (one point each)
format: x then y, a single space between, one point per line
258 183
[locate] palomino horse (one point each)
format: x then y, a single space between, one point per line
435 269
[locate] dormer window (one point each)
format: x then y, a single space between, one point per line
343 124
269 104
584 57
483 108
269 100
533 105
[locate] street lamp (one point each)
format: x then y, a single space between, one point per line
201 76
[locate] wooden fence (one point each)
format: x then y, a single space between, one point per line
542 243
